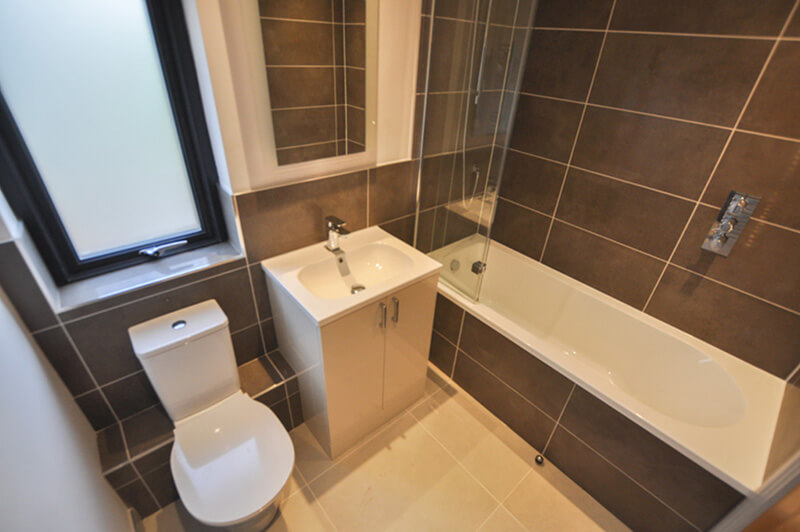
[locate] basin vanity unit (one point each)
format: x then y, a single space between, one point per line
354 318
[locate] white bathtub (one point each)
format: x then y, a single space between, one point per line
716 409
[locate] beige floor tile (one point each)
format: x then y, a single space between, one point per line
548 501
492 452
501 521
402 480
299 512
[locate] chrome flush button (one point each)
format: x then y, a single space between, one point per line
180 324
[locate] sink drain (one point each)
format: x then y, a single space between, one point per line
356 288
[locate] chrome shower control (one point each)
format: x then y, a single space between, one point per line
730 222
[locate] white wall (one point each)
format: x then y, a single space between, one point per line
50 475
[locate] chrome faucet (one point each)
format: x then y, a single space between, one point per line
335 227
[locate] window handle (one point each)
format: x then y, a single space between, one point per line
156 252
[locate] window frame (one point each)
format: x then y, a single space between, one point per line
27 193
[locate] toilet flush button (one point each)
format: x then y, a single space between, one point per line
180 324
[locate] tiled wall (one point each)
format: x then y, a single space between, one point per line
636 119
643 481
315 56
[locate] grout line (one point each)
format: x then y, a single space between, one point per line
558 421
643 488
759 220
661 33
598 235
504 383
316 499
302 107
247 327
515 150
302 20
255 308
369 172
310 144
344 82
335 80
724 150
45 329
458 341
118 379
578 130
635 184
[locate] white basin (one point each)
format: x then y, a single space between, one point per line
376 260
369 265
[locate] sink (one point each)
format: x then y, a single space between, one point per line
376 261
369 265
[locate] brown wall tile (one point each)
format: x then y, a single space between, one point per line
764 167
392 192
355 11
611 488
449 55
296 43
532 378
447 319
523 418
294 127
665 154
437 172
702 16
686 487
561 63
96 410
572 13
775 107
136 496
297 9
356 87
794 26
162 485
611 268
103 338
307 153
770 340
247 344
623 212
154 459
355 125
56 347
147 430
697 78
545 127
355 46
402 229
278 220
131 395
121 476
532 182
519 228
444 113
764 261
22 289
300 87
442 353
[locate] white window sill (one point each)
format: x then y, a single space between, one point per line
128 279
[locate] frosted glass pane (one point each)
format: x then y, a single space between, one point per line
84 84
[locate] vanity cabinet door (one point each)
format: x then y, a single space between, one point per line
408 339
353 356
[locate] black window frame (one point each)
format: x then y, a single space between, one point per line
28 196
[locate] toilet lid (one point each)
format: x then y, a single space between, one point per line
230 460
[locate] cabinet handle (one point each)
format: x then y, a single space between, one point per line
382 308
396 316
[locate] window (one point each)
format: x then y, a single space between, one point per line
104 151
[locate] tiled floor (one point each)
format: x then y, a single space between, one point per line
444 464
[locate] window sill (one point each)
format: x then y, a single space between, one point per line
119 282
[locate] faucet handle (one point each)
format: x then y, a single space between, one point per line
335 224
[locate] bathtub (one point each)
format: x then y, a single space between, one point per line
711 406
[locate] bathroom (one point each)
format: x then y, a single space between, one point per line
438 265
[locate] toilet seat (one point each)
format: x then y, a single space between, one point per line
231 460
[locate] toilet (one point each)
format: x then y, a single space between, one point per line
232 456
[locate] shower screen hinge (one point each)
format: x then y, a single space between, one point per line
478 267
